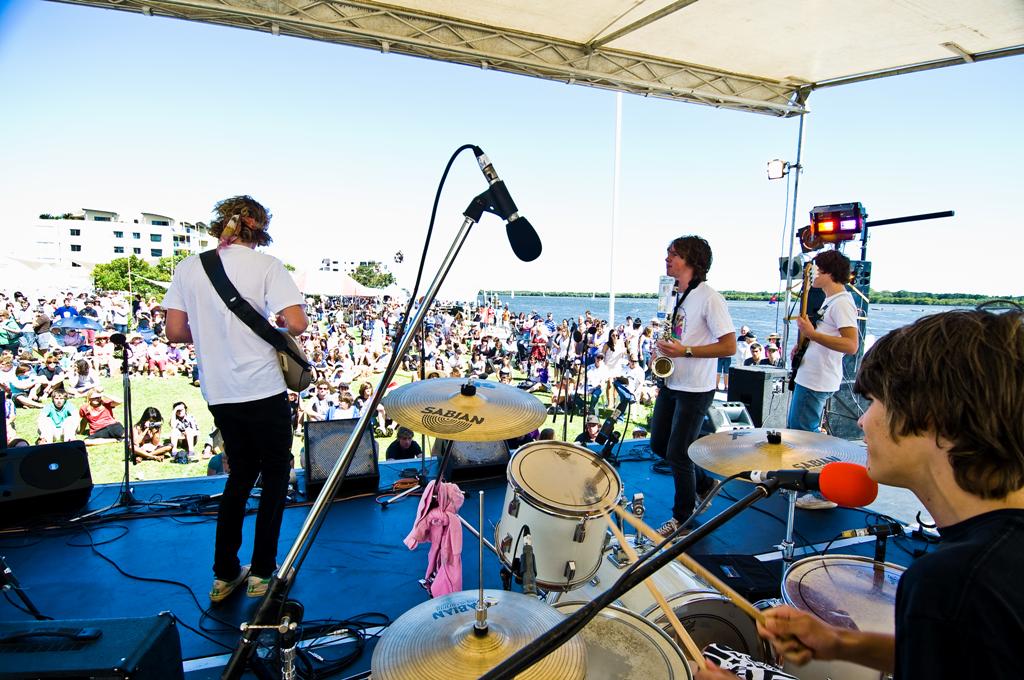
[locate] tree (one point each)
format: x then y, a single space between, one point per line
115 276
373 275
165 266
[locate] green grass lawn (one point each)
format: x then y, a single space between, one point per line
107 460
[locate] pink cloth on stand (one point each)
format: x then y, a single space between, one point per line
438 523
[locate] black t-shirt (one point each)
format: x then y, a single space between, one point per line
960 610
396 452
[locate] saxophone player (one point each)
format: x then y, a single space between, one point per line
702 331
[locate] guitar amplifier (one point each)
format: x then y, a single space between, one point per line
146 648
764 390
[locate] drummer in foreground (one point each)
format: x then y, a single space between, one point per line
953 433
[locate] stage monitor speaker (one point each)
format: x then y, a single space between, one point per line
325 442
474 460
750 577
43 480
764 390
146 648
725 417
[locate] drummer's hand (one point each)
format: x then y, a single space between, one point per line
798 636
713 672
670 348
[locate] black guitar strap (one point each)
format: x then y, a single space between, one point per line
242 309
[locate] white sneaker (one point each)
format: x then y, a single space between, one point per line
811 502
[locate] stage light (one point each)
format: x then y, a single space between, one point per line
839 222
777 169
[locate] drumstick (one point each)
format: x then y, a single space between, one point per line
691 647
695 566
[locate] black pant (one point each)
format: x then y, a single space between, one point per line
675 425
257 439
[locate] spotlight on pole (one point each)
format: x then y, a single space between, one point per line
778 169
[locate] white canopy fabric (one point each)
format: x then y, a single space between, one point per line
764 56
340 284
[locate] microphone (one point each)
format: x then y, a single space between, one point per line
521 234
846 484
608 427
529 566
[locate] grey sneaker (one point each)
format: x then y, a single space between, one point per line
669 527
809 501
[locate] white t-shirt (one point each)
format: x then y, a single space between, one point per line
236 365
702 319
822 368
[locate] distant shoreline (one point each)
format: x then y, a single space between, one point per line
880 297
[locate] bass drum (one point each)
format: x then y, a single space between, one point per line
622 645
708 616
846 591
557 493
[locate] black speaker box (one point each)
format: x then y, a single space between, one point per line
43 480
474 460
764 390
325 442
750 577
146 648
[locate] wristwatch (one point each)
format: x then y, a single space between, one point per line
688 352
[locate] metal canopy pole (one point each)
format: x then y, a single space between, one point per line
792 239
615 210
270 607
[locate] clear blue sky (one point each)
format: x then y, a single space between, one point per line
114 110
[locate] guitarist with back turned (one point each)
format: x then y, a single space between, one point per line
821 368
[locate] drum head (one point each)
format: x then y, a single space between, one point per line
847 591
565 478
711 618
624 645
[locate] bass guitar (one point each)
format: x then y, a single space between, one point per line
802 342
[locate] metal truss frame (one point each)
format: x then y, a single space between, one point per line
390 29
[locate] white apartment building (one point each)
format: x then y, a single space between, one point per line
346 266
93 236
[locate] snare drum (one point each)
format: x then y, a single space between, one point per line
846 591
557 492
707 615
622 645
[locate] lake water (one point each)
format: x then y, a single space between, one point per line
762 317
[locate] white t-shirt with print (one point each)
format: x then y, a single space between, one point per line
821 369
235 364
702 319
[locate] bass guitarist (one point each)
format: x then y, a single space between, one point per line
820 371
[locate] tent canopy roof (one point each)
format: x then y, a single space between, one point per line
755 55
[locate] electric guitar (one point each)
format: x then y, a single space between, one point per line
802 342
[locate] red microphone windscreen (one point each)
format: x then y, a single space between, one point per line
847 484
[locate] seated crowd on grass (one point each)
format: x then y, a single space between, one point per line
55 350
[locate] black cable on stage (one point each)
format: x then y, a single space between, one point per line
205 613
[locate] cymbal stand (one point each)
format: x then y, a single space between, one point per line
9 582
270 606
421 480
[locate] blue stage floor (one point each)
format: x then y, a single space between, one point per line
122 565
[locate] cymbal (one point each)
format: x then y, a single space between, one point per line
465 410
435 639
726 453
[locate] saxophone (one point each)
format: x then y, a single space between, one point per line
662 367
